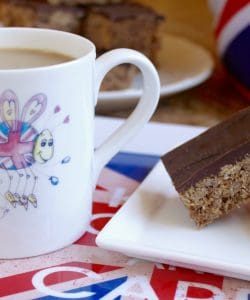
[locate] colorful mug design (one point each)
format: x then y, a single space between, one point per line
22 145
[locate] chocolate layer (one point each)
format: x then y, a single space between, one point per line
204 155
119 11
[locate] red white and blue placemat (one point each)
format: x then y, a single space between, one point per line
84 271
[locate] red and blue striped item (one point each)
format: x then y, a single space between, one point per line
232 32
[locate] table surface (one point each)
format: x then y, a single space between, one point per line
204 105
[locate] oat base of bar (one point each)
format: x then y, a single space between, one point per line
215 196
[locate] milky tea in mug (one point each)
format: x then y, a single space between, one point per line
14 58
49 83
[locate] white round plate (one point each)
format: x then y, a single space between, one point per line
182 65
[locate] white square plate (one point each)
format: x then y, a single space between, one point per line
154 225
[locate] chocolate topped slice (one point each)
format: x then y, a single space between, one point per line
209 149
212 171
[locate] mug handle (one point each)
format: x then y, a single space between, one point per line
143 111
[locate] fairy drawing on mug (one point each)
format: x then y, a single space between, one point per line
22 145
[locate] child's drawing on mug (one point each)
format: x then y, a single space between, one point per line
22 146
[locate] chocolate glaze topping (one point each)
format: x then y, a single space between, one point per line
206 154
119 11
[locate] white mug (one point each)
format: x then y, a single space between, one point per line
48 165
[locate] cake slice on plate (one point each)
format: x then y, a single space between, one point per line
123 25
211 172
